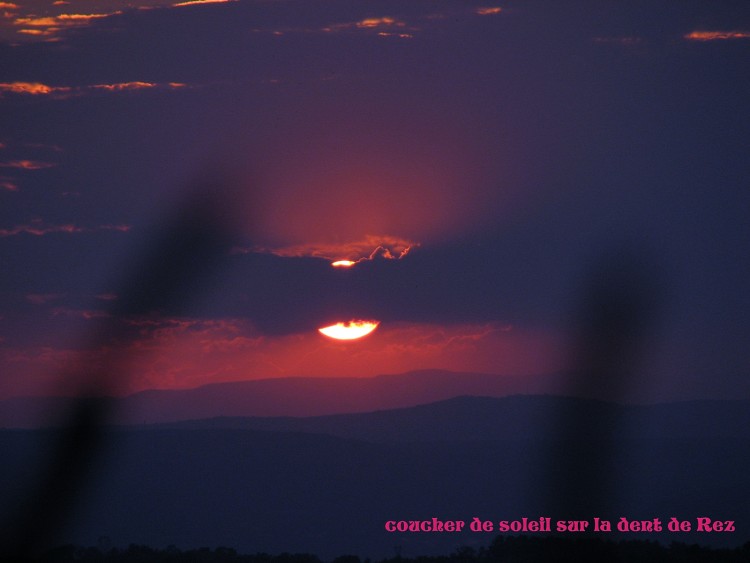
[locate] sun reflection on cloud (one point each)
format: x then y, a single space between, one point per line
342 254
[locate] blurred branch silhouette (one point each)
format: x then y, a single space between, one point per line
191 243
619 303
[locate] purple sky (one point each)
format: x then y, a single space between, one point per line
487 163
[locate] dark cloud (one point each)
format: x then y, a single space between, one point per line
41 229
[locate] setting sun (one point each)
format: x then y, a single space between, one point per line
350 330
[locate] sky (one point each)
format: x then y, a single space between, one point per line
177 178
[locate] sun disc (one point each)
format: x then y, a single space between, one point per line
350 330
342 264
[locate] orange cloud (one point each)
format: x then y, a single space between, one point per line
136 85
124 86
8 6
50 26
380 22
716 35
490 11
8 186
368 248
63 20
27 164
200 2
31 88
38 88
38 229
385 26
34 22
374 24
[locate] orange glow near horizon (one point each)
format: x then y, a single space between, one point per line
343 264
179 353
351 330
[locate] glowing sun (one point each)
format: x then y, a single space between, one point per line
350 330
342 264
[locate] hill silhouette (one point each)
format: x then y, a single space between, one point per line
289 396
528 417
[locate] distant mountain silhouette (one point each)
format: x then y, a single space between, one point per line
291 396
527 417
327 485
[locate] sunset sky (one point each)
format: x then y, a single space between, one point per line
483 164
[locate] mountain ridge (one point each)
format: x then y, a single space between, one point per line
289 396
512 417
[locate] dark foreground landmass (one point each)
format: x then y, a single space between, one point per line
329 485
503 549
